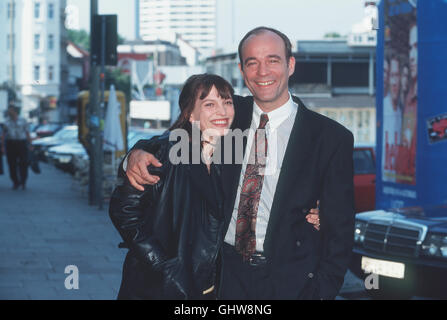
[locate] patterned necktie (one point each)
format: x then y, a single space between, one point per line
251 193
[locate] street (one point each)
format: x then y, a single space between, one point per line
50 226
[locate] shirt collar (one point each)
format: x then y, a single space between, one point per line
277 116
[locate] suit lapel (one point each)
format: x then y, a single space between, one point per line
294 162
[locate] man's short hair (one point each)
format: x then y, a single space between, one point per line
259 30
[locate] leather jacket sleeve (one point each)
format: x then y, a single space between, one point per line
130 212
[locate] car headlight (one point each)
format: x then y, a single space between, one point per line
435 245
64 159
359 231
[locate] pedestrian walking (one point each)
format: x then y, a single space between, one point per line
15 142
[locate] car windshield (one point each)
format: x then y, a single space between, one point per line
47 127
67 133
363 162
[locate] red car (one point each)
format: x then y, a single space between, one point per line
364 178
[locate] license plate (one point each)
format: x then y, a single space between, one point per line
383 268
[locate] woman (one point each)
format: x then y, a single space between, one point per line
174 229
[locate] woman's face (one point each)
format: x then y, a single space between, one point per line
214 113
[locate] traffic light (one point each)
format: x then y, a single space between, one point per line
110 41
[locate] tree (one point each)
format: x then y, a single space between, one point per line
80 38
332 35
119 79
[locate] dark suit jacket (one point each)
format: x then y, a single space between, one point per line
305 263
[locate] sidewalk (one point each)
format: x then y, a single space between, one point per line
49 226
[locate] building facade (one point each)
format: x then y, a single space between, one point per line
193 20
32 51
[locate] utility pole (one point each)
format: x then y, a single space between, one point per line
95 138
12 14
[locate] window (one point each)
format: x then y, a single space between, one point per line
51 11
36 73
36 41
50 42
37 10
50 73
13 10
363 162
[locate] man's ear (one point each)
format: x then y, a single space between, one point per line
291 65
240 69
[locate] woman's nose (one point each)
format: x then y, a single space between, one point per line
222 110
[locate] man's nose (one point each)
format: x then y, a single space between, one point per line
262 69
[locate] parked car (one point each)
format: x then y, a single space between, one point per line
69 155
135 134
364 177
68 134
406 248
62 156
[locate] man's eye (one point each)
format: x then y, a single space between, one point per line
229 102
209 105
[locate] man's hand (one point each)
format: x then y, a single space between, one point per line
136 170
314 216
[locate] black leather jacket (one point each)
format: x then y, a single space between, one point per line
173 230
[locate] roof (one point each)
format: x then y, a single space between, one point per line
330 46
340 101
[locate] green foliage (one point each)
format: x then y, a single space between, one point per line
332 35
81 38
119 79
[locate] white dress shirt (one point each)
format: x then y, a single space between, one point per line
278 129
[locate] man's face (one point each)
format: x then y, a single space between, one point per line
12 112
413 42
394 79
266 71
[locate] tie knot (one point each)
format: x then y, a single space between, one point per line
263 121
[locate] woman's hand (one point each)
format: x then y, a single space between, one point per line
314 216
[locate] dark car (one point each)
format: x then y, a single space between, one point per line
364 177
406 248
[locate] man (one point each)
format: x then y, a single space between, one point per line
15 141
283 256
392 123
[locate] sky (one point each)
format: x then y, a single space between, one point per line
299 19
